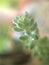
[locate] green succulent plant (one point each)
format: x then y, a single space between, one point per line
26 24
39 46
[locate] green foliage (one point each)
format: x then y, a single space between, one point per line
26 24
39 46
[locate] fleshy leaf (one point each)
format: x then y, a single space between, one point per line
17 29
24 37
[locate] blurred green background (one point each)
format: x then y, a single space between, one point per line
3 35
8 3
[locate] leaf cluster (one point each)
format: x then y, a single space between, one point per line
39 46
